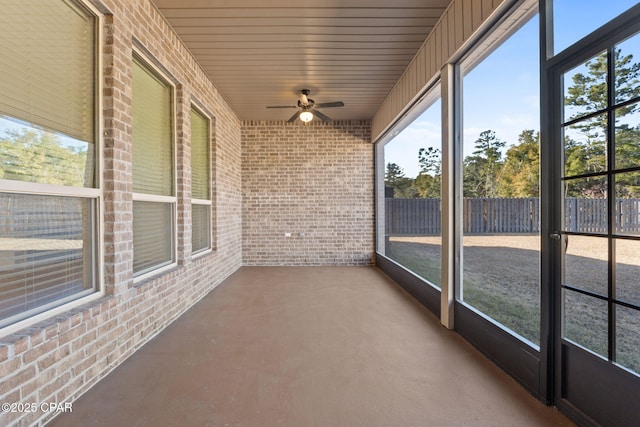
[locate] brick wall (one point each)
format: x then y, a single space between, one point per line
58 359
314 181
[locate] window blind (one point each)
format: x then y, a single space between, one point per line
200 182
48 66
199 156
200 227
46 252
152 235
151 133
48 243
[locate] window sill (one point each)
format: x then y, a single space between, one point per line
154 274
201 253
52 315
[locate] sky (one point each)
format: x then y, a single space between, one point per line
17 125
502 92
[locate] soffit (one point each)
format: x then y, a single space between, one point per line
261 53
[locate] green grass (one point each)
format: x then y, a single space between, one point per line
497 284
520 318
424 265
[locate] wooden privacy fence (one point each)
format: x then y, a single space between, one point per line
501 215
590 215
50 217
508 215
412 216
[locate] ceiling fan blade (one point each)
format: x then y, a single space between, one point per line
282 106
330 104
294 117
321 116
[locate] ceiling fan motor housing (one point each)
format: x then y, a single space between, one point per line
306 105
304 101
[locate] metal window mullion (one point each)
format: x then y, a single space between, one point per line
549 260
611 204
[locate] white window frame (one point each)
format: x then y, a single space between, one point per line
62 305
152 66
204 202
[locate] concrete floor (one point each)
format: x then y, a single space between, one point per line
308 346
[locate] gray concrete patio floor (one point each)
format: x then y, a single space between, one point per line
308 346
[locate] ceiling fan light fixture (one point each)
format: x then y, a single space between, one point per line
306 116
305 107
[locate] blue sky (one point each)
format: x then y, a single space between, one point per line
502 93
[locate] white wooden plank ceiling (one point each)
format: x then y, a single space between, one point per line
263 52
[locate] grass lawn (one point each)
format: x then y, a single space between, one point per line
501 279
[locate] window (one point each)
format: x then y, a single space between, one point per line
501 176
154 200
601 302
412 191
200 183
49 191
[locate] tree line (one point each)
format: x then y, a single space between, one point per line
34 155
490 171
487 173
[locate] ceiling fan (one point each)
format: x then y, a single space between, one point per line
308 108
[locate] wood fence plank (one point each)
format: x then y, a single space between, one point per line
508 215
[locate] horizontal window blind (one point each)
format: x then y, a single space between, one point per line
152 235
151 133
153 170
48 66
200 227
200 182
199 156
48 243
47 248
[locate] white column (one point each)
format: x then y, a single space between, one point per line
450 181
